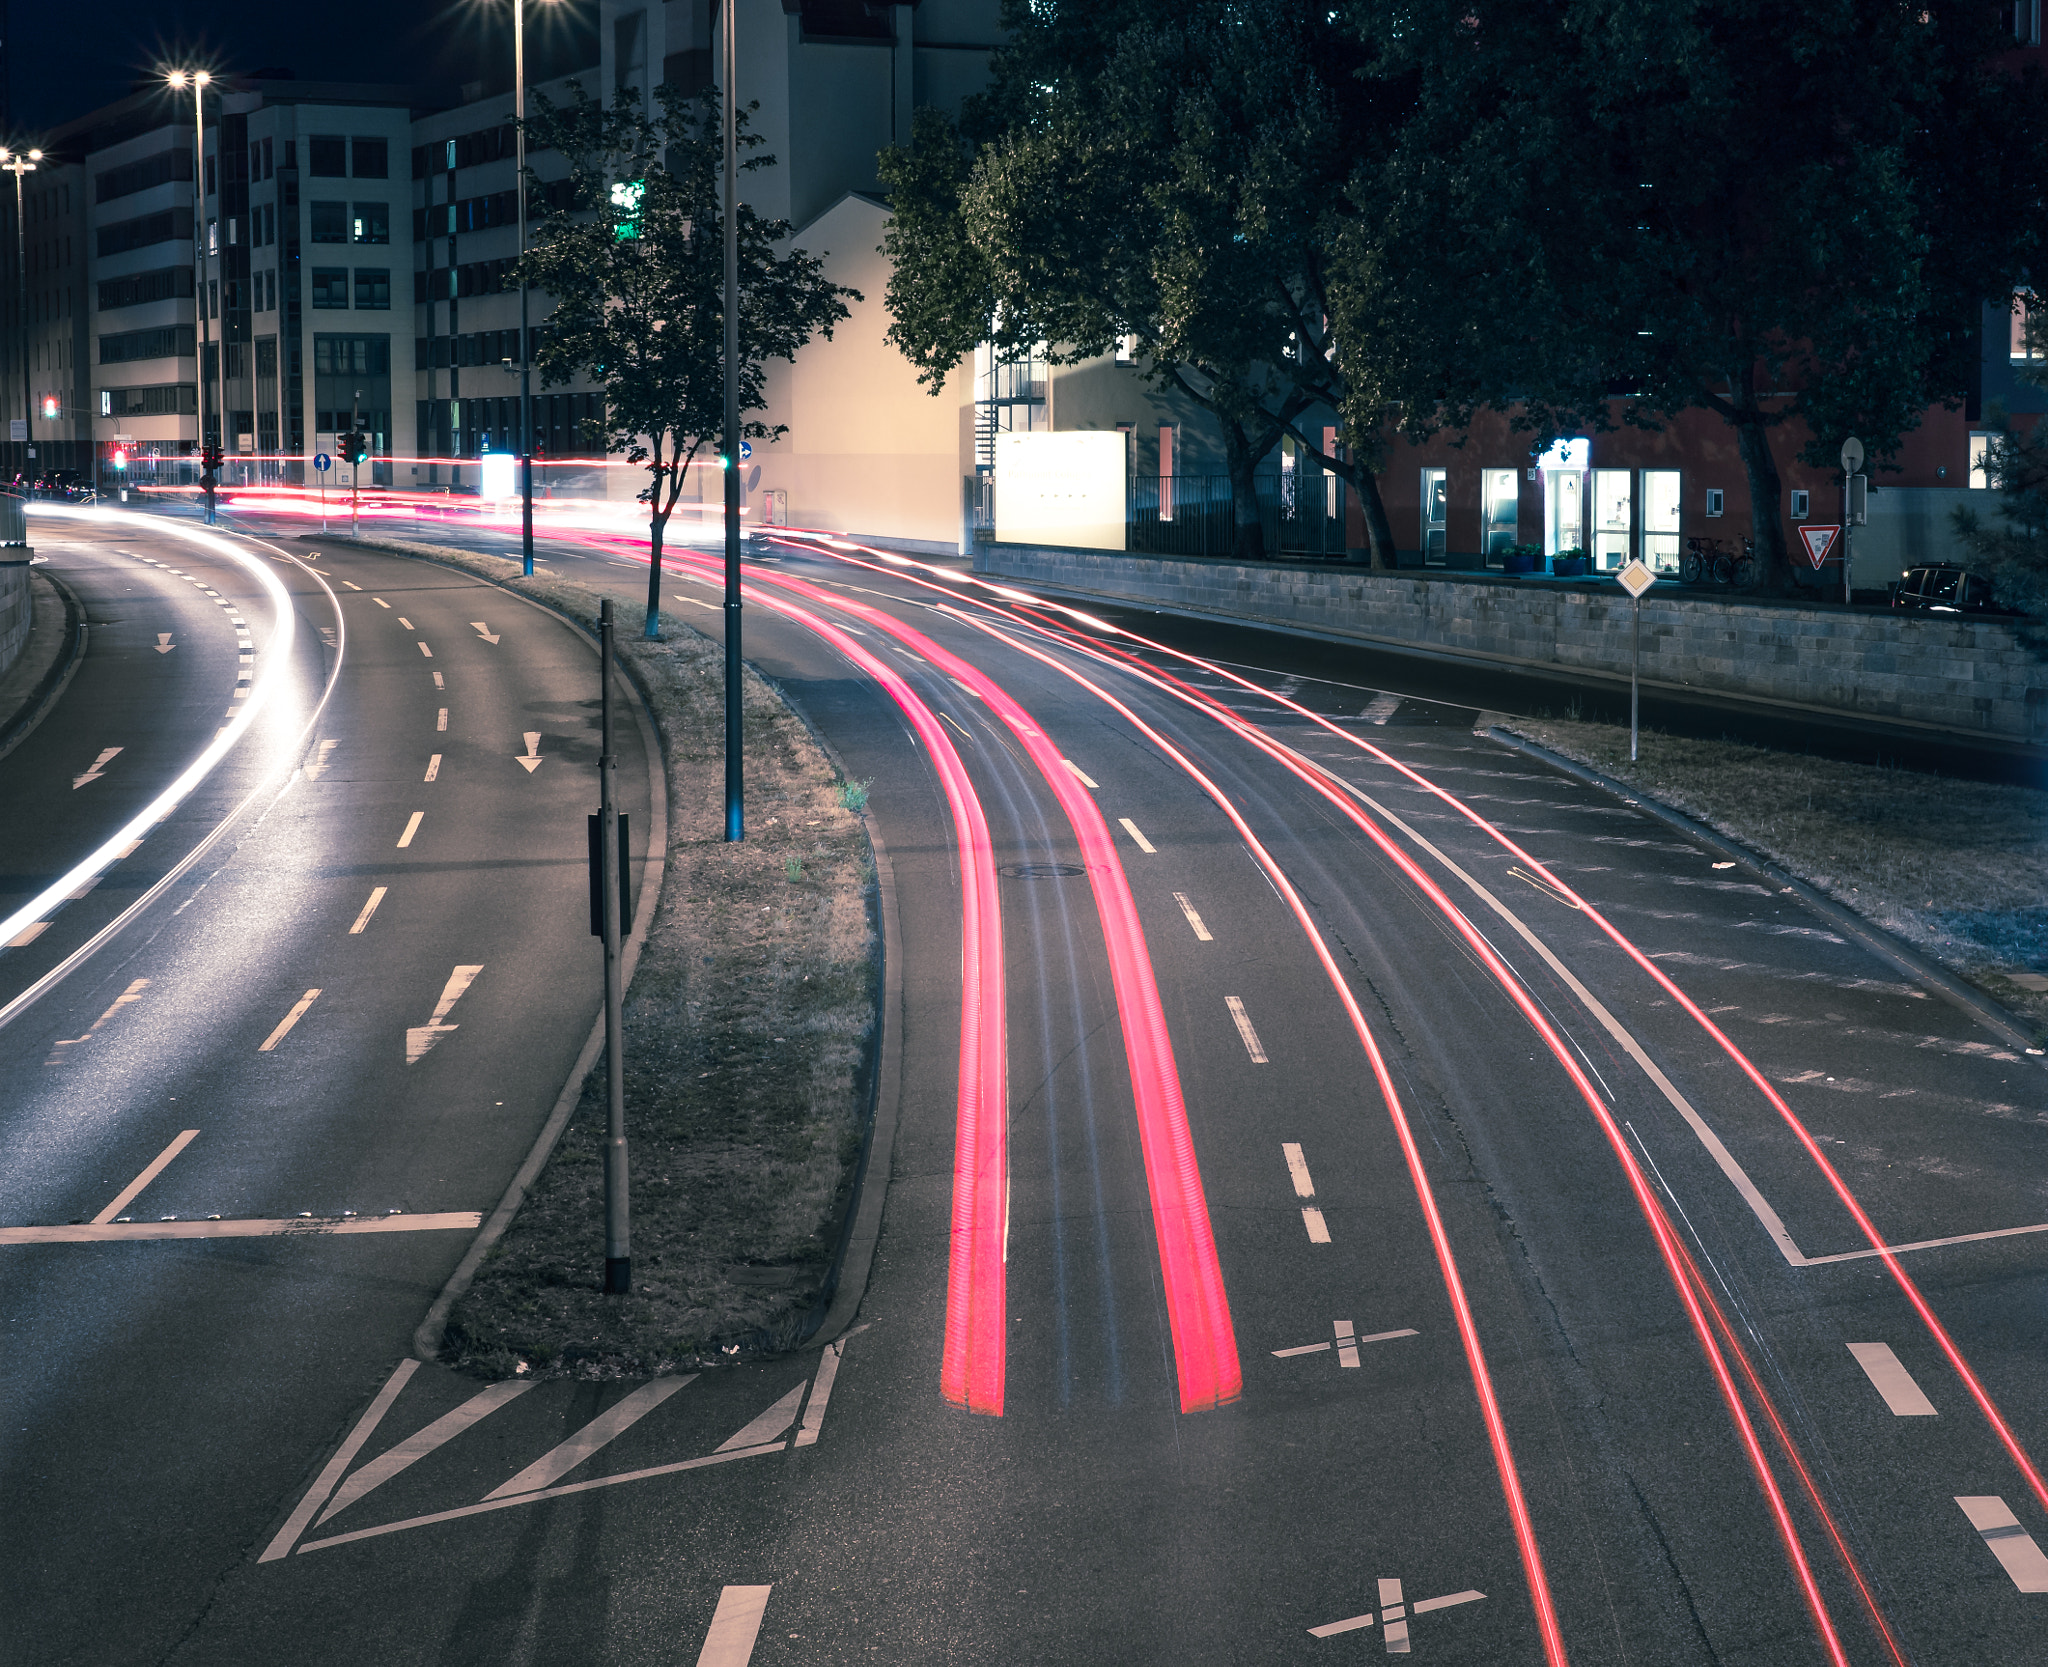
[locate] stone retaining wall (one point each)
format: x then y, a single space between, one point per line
1953 673
16 607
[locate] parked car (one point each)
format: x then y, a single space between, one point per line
1944 588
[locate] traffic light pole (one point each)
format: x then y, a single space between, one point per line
735 775
618 1249
525 333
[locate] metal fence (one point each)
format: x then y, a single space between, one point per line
13 519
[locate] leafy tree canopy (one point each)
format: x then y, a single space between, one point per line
634 259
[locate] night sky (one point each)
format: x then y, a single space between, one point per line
63 61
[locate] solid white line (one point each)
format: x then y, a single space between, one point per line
428 652
162 1163
344 1456
1318 1229
1305 1348
1385 1336
369 909
417 1446
1244 1029
1297 1167
772 1425
411 827
734 1625
606 1427
1131 828
561 1492
1194 920
243 1227
441 722
1891 1380
298 1007
1427 1605
1336 1627
2011 1544
821 1392
1080 774
433 767
1925 1244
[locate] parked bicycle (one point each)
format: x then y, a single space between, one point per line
1708 561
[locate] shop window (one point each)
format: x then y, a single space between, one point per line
1503 523
1436 496
1613 519
1661 520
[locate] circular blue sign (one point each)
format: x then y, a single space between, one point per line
322 461
746 450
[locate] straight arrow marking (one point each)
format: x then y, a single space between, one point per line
420 1039
163 642
532 761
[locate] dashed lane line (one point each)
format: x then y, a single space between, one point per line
1246 1033
1194 919
284 1025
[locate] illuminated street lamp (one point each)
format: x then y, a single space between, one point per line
18 163
198 80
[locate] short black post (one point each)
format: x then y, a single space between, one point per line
618 1253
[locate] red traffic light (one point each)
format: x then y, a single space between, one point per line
120 457
52 408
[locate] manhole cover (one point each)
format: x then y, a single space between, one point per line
1043 871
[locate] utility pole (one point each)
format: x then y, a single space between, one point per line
525 333
18 163
618 1252
735 782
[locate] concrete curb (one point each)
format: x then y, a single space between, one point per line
1937 980
50 687
426 1338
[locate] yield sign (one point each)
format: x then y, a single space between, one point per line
1818 541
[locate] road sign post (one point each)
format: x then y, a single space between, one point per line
321 464
1635 578
1852 460
618 1253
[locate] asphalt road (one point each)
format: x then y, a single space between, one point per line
1427 1208
374 856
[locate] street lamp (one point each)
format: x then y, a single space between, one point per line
198 80
525 334
18 163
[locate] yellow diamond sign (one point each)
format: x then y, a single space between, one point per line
1636 578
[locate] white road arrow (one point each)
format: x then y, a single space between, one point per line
532 761
99 768
420 1039
319 764
163 642
483 631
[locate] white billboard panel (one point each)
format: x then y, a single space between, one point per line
1061 489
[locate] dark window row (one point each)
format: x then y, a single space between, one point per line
141 174
479 347
335 223
140 233
167 341
171 399
467 150
494 208
372 288
166 283
476 277
351 356
329 156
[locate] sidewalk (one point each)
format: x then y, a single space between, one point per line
56 643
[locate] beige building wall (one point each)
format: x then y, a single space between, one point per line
869 451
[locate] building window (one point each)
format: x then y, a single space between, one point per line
373 288
1716 501
1983 462
330 222
1661 519
1800 504
330 286
372 159
372 223
2026 348
351 356
1503 519
327 157
1613 519
1127 350
1436 497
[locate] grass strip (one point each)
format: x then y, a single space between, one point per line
749 1029
1958 869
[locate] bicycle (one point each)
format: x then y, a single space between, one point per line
1747 568
1705 561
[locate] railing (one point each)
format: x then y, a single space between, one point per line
1301 512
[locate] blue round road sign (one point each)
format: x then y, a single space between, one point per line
746 450
322 461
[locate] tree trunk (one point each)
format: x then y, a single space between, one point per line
1765 494
657 520
1248 533
1379 531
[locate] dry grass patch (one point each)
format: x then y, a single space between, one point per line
1959 869
748 1029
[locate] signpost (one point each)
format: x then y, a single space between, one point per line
1852 461
1819 539
1635 579
321 464
618 1254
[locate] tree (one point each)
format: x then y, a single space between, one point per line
1775 210
1183 178
2013 549
633 256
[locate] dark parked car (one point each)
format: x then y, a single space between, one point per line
1944 588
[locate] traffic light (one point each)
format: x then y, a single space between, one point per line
120 457
627 196
211 458
354 446
52 408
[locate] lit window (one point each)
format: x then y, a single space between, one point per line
1983 450
2026 346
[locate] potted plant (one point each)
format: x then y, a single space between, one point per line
1571 563
1521 558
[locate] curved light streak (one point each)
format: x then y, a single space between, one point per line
278 655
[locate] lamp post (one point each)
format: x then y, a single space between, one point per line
525 334
198 80
735 777
18 163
